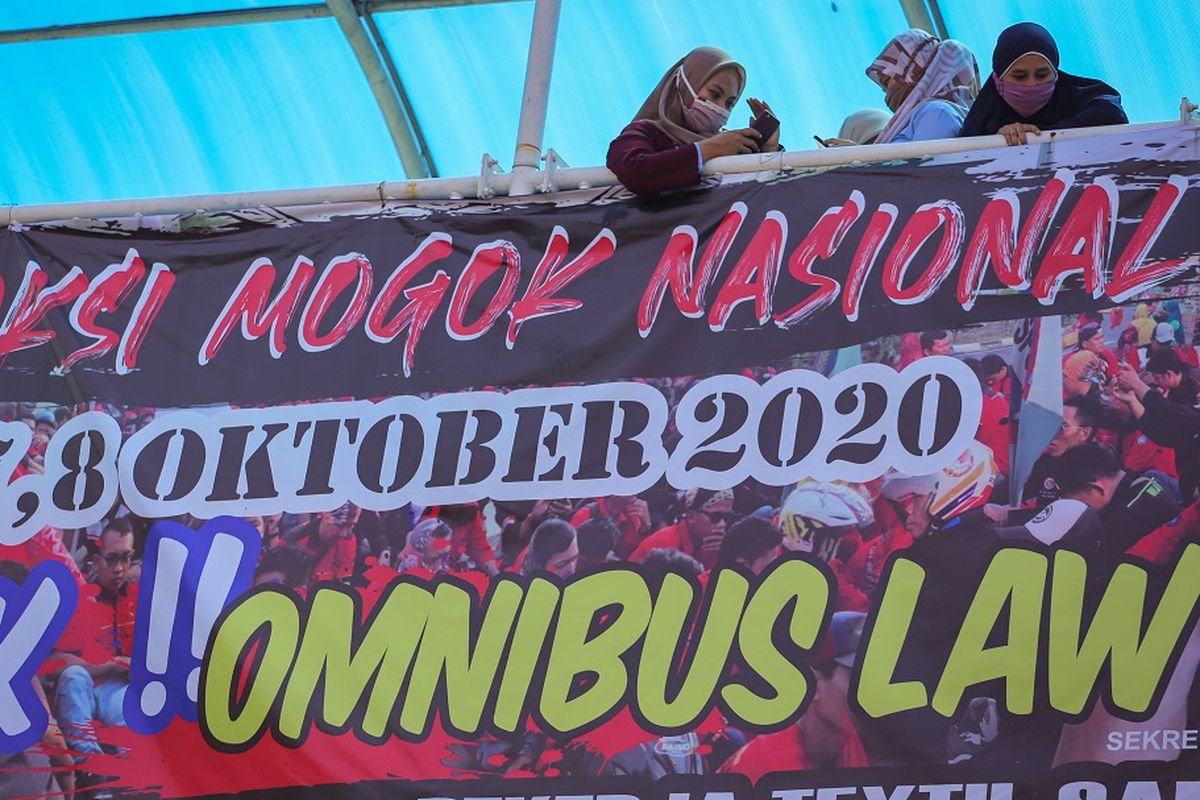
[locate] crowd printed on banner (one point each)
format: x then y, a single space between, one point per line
532 651
525 444
322 310
717 628
808 487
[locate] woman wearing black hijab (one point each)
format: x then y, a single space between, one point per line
1027 93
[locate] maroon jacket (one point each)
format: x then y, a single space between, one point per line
647 161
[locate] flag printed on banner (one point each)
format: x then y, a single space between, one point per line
1023 344
847 357
1042 409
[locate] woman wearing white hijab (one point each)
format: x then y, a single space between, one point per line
929 84
863 126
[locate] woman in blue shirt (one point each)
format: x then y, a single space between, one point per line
928 83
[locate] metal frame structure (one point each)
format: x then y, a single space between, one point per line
358 26
536 96
926 15
213 19
355 18
385 85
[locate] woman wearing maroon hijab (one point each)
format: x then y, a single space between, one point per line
1028 93
678 128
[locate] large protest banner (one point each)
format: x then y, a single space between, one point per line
874 482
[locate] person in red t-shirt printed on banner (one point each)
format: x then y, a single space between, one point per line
999 377
628 512
1128 349
825 737
1091 338
699 533
96 648
330 543
994 418
427 549
888 533
469 542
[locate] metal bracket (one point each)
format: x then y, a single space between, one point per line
488 169
554 162
1188 111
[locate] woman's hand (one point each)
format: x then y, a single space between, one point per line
1015 133
757 107
1129 400
1124 396
836 142
730 143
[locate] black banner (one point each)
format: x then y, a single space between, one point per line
262 307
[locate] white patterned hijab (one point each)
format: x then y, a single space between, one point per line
935 69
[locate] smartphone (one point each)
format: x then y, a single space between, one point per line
766 124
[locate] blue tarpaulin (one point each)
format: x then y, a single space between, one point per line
285 105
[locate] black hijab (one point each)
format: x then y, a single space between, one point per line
1076 102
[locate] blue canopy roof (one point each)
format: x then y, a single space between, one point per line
285 104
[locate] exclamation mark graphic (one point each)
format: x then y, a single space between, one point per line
164 604
188 578
212 592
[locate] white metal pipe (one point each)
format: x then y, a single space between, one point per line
863 154
532 126
566 178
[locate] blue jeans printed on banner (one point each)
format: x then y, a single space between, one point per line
81 703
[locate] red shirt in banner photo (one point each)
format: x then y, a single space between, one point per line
630 518
333 562
469 538
674 537
783 751
45 545
994 428
102 626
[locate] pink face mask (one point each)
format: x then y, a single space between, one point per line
703 117
1026 99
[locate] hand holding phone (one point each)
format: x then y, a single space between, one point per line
766 124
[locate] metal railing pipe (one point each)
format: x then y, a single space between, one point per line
536 97
566 178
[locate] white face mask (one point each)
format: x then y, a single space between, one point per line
704 116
